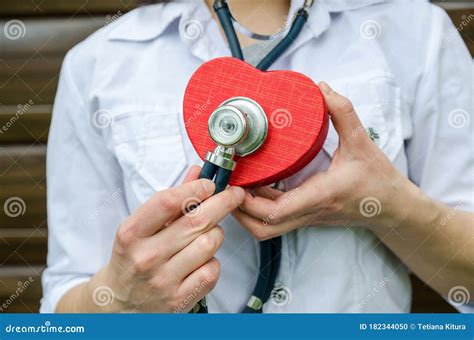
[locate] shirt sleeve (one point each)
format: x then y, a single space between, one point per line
85 197
441 150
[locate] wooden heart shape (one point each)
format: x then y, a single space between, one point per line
294 105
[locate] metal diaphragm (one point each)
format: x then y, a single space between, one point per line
239 123
228 126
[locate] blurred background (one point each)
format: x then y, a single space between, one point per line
34 37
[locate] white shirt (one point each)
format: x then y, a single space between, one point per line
117 137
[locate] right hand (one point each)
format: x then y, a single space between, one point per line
163 258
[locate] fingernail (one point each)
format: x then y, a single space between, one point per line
208 185
325 88
239 192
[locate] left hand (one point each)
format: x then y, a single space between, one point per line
361 186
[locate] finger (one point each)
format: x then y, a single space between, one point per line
197 253
199 283
193 174
258 206
267 192
203 218
264 231
290 204
343 115
164 205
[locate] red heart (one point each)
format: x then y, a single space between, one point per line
293 103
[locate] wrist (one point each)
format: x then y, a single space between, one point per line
101 293
408 210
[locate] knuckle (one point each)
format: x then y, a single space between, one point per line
345 105
220 233
233 200
277 218
142 264
207 243
211 273
125 235
200 221
261 233
161 284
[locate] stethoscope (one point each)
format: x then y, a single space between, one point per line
239 127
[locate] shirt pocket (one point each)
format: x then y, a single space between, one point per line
149 148
377 102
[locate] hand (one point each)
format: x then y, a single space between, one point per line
163 258
359 188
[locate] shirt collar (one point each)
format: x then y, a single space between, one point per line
347 5
148 22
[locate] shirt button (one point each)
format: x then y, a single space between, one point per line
281 295
191 29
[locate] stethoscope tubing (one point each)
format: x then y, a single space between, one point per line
223 14
270 250
284 44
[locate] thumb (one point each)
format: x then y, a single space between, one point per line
343 115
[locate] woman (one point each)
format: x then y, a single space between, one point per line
368 209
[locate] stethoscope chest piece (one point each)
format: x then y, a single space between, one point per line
239 123
239 126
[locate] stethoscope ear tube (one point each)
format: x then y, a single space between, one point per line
223 14
282 46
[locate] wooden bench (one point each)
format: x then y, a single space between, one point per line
29 69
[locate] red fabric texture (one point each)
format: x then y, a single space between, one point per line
295 108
